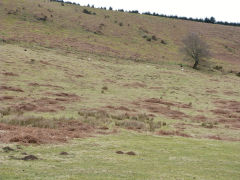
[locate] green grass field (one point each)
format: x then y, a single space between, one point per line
156 158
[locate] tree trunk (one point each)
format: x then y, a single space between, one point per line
195 64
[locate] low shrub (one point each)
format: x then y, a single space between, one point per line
219 68
5 111
163 42
154 38
87 11
207 125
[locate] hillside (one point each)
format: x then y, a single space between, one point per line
86 96
118 34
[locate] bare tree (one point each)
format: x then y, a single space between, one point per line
195 48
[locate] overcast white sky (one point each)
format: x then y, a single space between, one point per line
222 10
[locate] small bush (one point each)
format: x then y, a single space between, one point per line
86 11
163 42
219 68
154 38
120 24
41 17
149 39
207 125
5 112
238 74
105 88
14 12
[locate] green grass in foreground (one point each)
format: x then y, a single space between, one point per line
157 158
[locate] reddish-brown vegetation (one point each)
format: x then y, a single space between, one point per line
9 88
30 135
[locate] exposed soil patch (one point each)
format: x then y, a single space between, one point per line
221 138
9 74
227 111
34 84
25 107
121 108
131 153
200 118
43 105
211 91
64 153
30 135
45 85
172 133
66 95
229 93
109 81
119 152
29 158
6 98
45 62
159 101
28 139
167 103
61 99
162 107
135 85
79 76
156 88
7 149
9 88
220 111
104 128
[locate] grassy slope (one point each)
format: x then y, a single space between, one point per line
129 85
122 41
57 59
157 158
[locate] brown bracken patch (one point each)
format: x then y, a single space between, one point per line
79 76
200 118
221 138
45 85
230 93
6 98
121 108
162 107
9 74
228 111
43 105
135 85
9 88
62 94
211 91
172 133
31 135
